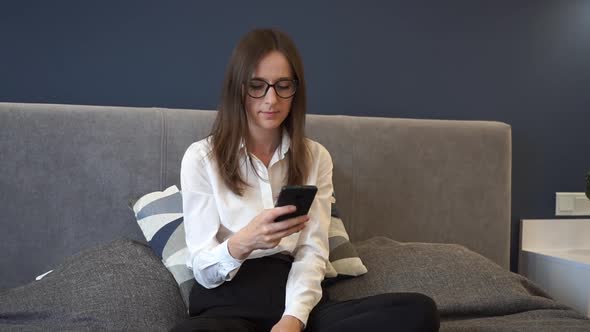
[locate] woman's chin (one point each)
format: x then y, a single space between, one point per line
271 126
270 122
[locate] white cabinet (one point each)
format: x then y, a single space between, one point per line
555 254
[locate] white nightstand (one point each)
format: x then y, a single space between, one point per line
555 254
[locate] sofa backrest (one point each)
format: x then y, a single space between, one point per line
68 172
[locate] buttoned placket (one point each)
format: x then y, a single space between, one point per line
265 184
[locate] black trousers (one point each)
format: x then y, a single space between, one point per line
255 300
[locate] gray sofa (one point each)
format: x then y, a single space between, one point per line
426 203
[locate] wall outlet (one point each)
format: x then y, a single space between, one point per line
572 204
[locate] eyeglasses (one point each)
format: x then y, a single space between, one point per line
284 88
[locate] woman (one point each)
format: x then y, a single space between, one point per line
254 274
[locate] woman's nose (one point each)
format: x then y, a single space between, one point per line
271 96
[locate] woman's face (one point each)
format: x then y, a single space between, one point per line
268 113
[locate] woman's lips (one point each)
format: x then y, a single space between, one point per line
268 115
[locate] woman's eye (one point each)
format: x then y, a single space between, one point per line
257 86
284 86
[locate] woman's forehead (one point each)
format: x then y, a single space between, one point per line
273 66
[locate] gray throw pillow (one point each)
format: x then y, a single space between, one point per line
462 282
119 286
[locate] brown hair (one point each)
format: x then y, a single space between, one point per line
231 124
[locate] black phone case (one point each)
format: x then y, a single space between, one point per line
300 196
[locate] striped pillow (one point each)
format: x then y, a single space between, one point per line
344 260
159 215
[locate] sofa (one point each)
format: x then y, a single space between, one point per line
426 204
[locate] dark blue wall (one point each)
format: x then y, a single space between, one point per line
526 63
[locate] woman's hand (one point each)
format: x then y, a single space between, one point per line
264 233
288 324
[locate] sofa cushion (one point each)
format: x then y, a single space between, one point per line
159 215
119 286
460 281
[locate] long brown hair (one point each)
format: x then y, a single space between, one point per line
231 124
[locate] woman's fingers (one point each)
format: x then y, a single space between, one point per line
270 232
280 226
288 231
281 210
287 228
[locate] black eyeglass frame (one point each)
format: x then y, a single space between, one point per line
268 86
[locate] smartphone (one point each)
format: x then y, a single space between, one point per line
300 196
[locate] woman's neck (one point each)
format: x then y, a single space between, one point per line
263 144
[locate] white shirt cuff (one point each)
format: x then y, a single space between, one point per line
228 264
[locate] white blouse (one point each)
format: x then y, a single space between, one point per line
212 213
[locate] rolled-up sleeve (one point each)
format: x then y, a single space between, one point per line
210 260
311 254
